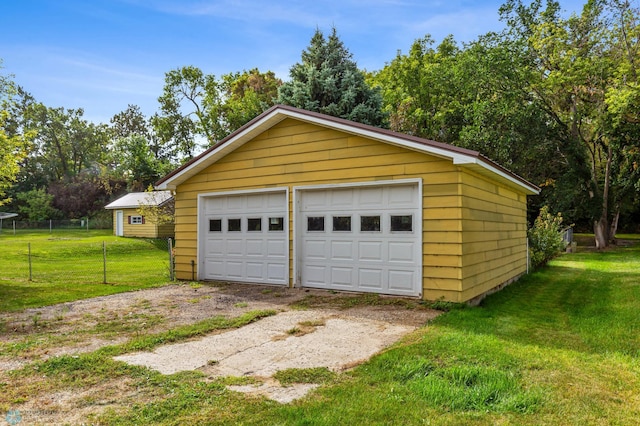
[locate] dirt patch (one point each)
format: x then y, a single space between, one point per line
312 328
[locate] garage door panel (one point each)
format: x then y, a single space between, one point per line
234 203
370 278
276 248
275 271
315 200
370 255
370 197
274 201
341 199
341 276
316 275
402 252
234 269
315 249
255 270
215 246
402 197
215 269
255 247
370 251
342 250
401 280
235 247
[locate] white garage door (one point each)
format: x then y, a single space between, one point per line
363 239
244 238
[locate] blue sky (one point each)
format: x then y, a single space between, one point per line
102 55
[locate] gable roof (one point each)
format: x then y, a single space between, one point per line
459 156
134 199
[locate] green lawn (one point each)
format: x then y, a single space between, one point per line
68 265
561 346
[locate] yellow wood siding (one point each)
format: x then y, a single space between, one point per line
460 220
494 240
146 230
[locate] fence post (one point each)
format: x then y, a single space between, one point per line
50 226
30 270
14 228
104 262
171 272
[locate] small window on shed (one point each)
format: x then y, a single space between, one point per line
315 223
369 223
254 224
342 223
233 225
276 224
136 220
215 225
402 223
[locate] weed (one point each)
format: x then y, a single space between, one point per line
312 323
293 331
267 291
317 375
240 305
195 285
60 313
35 319
443 305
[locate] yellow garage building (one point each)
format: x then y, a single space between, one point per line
297 198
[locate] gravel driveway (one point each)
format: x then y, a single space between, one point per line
312 328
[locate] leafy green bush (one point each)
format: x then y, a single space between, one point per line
545 237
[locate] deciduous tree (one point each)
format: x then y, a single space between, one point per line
197 109
582 69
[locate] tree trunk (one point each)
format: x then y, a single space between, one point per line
601 226
600 232
614 226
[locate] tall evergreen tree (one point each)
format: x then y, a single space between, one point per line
328 81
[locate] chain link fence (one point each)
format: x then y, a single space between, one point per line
15 227
81 257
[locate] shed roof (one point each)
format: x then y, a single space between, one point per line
133 200
459 156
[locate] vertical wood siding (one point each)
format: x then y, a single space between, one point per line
293 153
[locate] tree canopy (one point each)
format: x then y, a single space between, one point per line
554 98
198 109
328 80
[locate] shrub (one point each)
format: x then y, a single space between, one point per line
545 237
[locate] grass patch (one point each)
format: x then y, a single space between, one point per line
561 346
68 266
318 375
149 342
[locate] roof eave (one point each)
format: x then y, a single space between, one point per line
277 113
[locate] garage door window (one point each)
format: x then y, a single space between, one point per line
369 223
233 225
315 223
342 223
276 224
254 224
402 223
215 225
